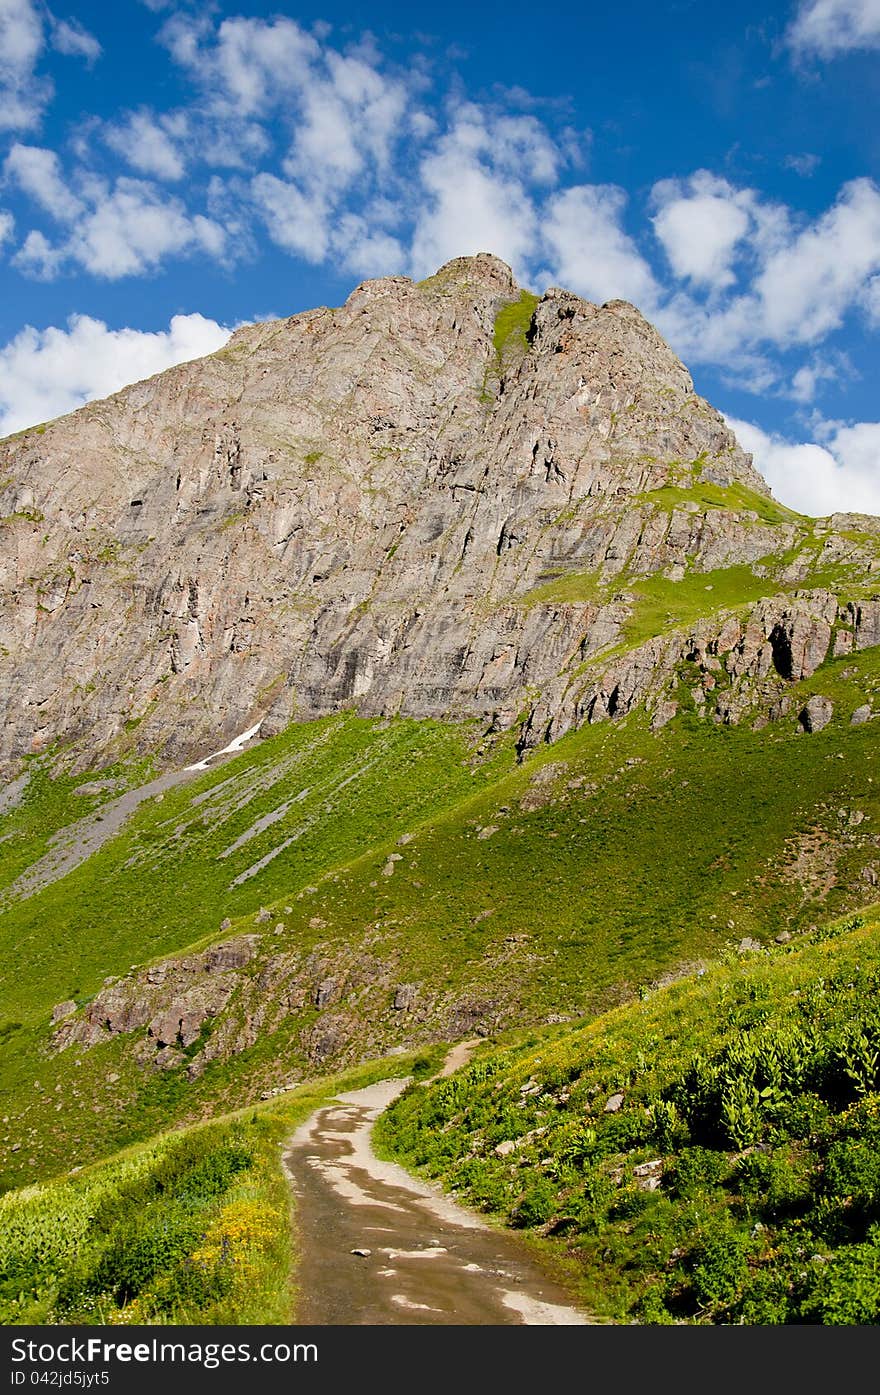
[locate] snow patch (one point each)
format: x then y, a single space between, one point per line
234 746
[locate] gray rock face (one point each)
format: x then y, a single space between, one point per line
371 507
816 713
173 1000
350 508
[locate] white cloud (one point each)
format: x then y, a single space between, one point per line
38 173
69 37
128 230
349 122
590 251
806 288
831 27
135 228
700 222
296 221
473 190
151 145
871 300
366 249
842 476
249 65
805 382
7 226
22 94
45 373
37 256
467 208
802 283
805 165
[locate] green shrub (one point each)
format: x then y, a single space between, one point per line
535 1206
852 1173
776 1184
696 1169
844 1290
719 1264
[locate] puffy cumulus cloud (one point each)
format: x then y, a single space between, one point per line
24 94
871 300
798 285
295 220
349 120
125 230
248 66
840 476
45 373
7 226
700 222
808 379
37 172
303 222
476 187
806 286
153 145
589 250
368 250
468 207
830 27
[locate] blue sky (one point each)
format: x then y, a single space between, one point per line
169 170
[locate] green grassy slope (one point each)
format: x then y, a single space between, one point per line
193 1226
557 887
708 1154
168 879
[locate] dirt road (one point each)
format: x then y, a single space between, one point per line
378 1246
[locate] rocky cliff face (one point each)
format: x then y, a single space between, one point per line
365 507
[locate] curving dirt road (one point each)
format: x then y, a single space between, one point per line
379 1246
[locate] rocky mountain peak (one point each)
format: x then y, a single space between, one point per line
437 499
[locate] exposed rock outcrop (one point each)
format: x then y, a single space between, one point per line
353 507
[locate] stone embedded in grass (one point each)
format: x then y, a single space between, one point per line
663 713
62 1010
862 714
816 713
748 946
613 1103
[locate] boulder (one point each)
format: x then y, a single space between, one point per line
816 713
405 997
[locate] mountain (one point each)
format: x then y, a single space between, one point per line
439 500
432 665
